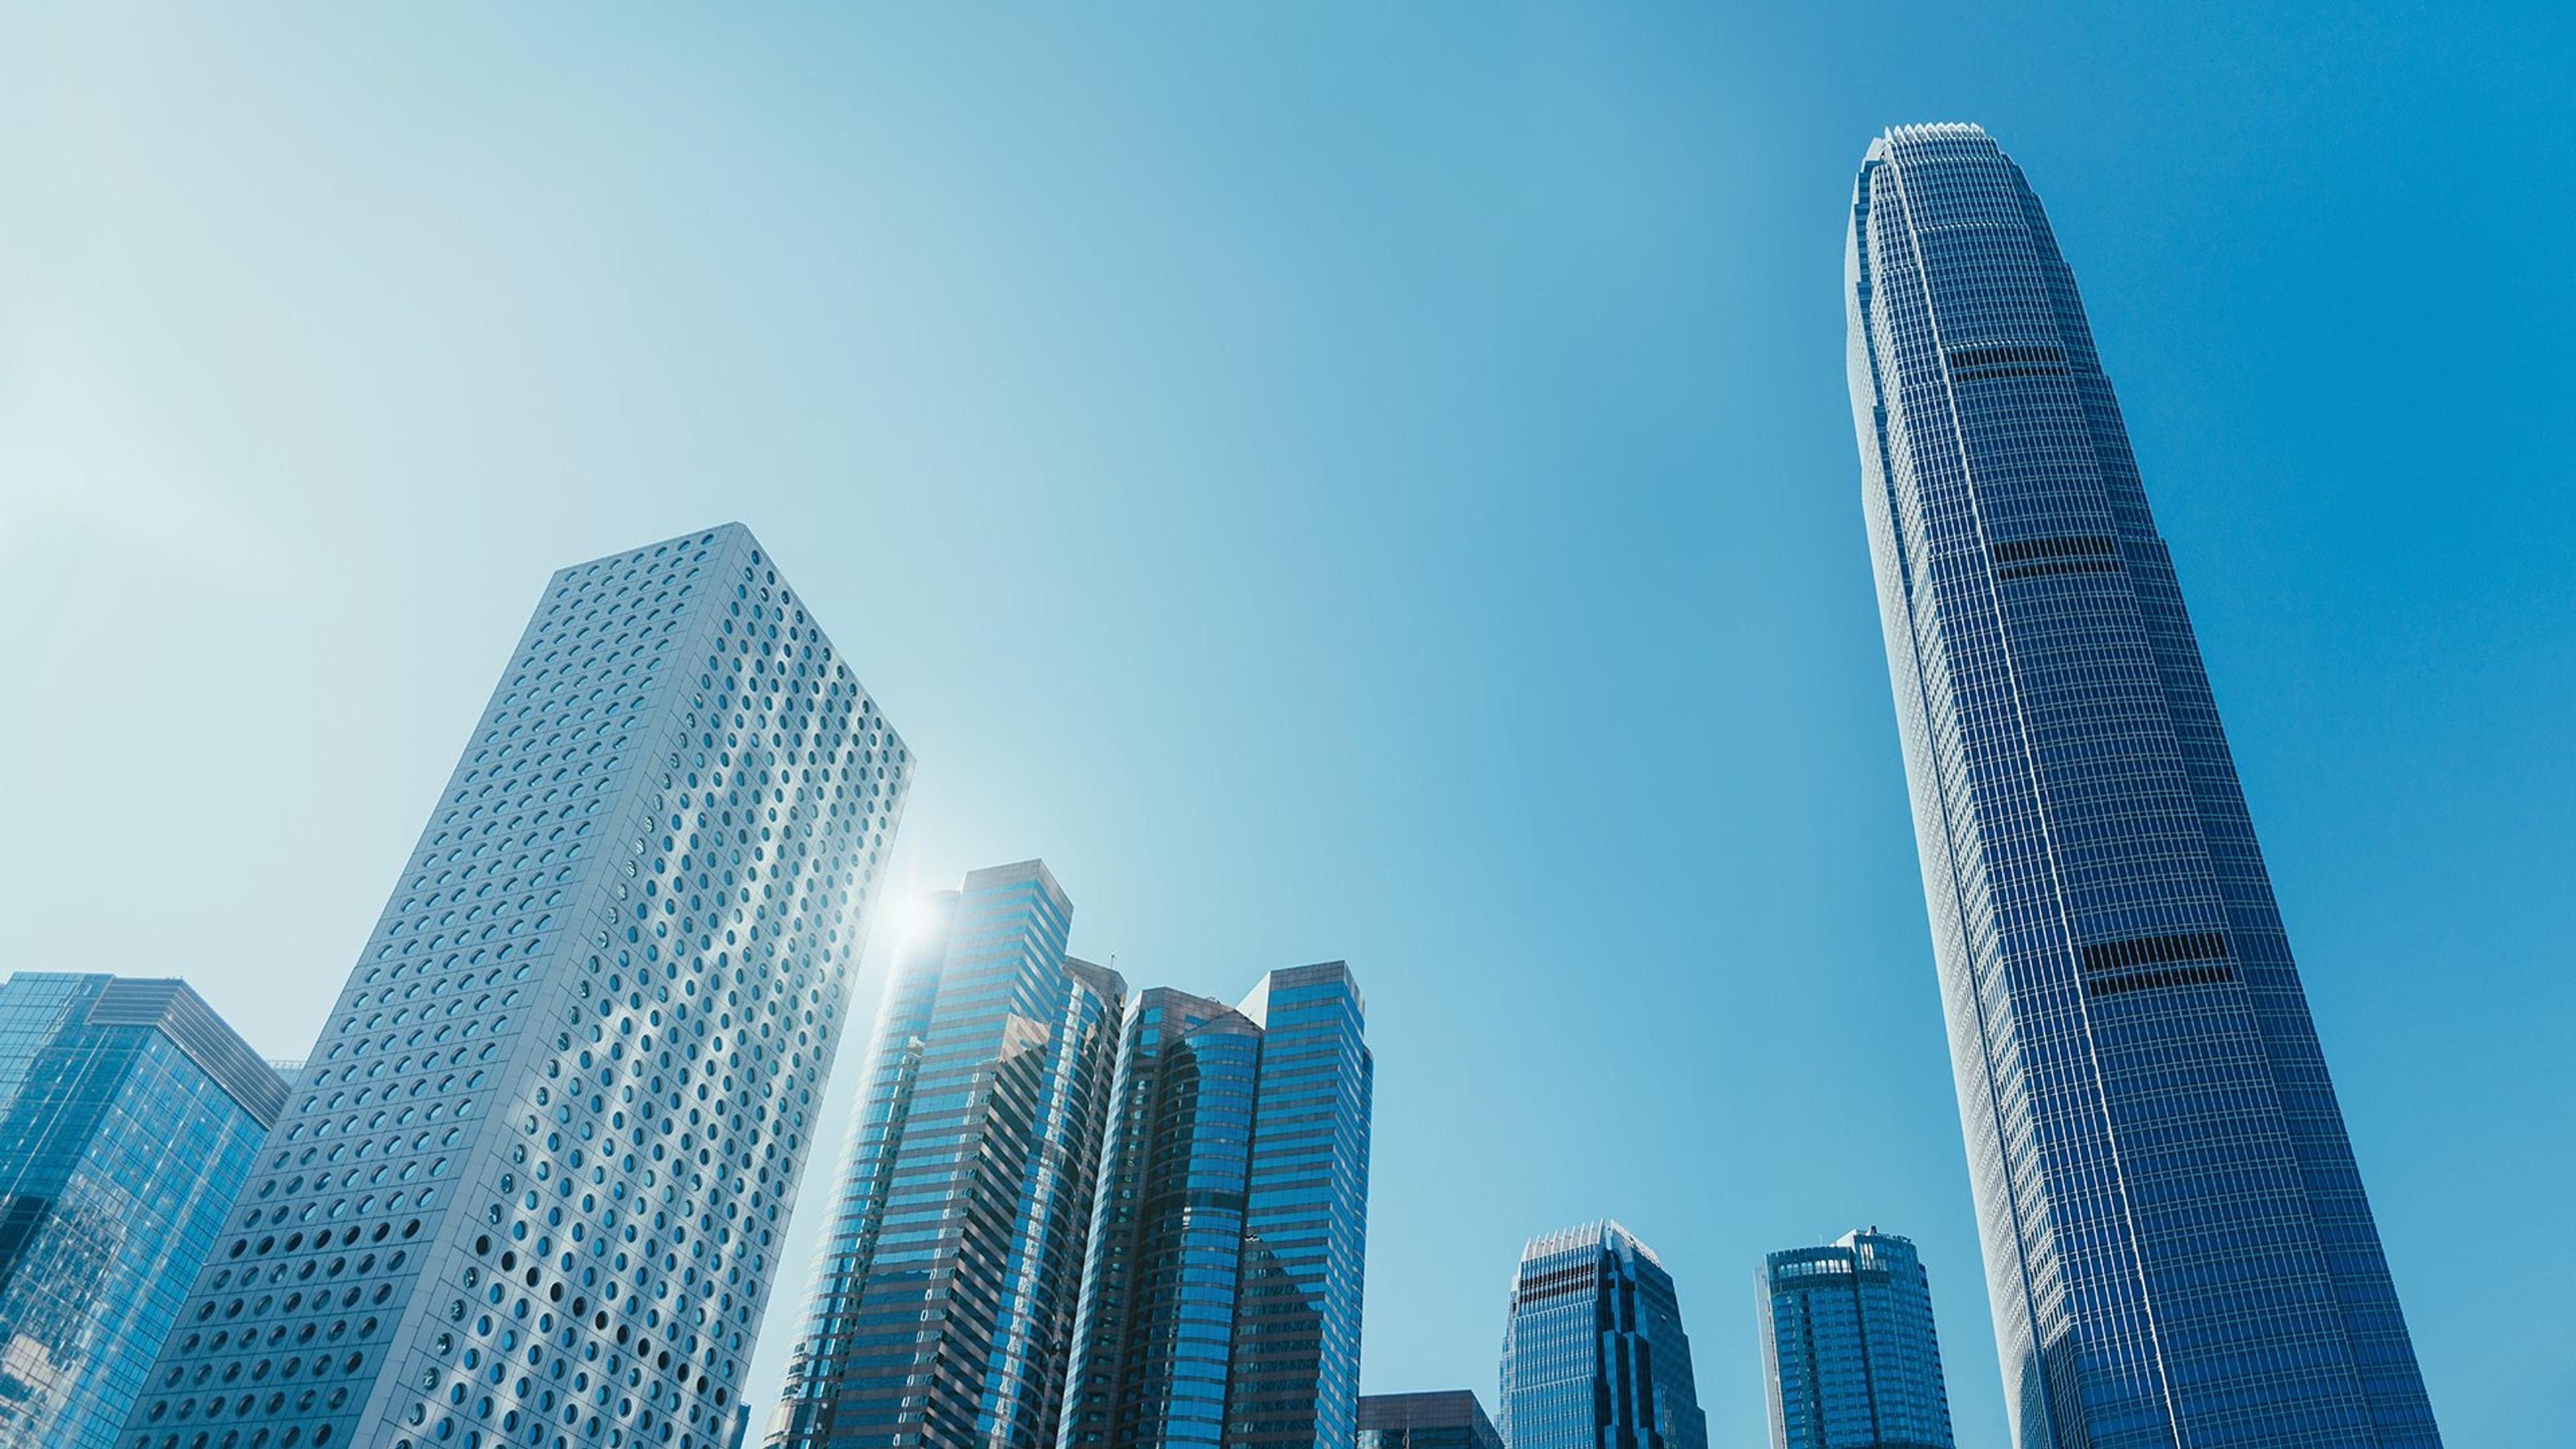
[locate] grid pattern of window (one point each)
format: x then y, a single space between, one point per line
1594 1356
1221 1293
943 1302
1156 1328
2177 1245
529 1188
129 1116
1849 1356
1446 1420
1294 1382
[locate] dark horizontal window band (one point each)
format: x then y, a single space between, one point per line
2170 976
1968 357
2081 545
1554 1290
2059 566
1197 1199
1971 374
2155 950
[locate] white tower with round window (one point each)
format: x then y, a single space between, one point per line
531 1188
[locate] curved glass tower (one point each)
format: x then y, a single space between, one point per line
1156 1333
1064 1221
1221 1292
1594 1356
944 1296
1850 1359
2178 1251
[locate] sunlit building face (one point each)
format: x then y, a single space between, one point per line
2178 1250
531 1186
942 1306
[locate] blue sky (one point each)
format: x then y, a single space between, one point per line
1336 481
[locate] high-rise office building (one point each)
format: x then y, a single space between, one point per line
2178 1250
943 1302
129 1116
1594 1356
530 1186
1221 1292
1849 1356
1445 1420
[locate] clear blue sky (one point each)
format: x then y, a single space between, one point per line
1365 481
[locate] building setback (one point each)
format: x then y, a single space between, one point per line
1594 1356
1445 1420
530 1186
129 1116
1221 1290
2178 1249
943 1302
1849 1356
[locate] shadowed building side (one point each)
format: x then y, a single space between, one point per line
1450 1419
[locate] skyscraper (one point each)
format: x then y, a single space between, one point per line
1221 1291
530 1186
943 1301
2178 1251
1444 1420
129 1115
1849 1356
1594 1356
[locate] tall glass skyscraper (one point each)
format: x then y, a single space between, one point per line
943 1302
530 1185
129 1115
1451 1419
1849 1356
2178 1250
1594 1356
1221 1291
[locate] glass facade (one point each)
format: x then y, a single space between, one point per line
943 1302
1221 1291
1849 1356
1594 1356
129 1116
1448 1420
529 1187
2178 1249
